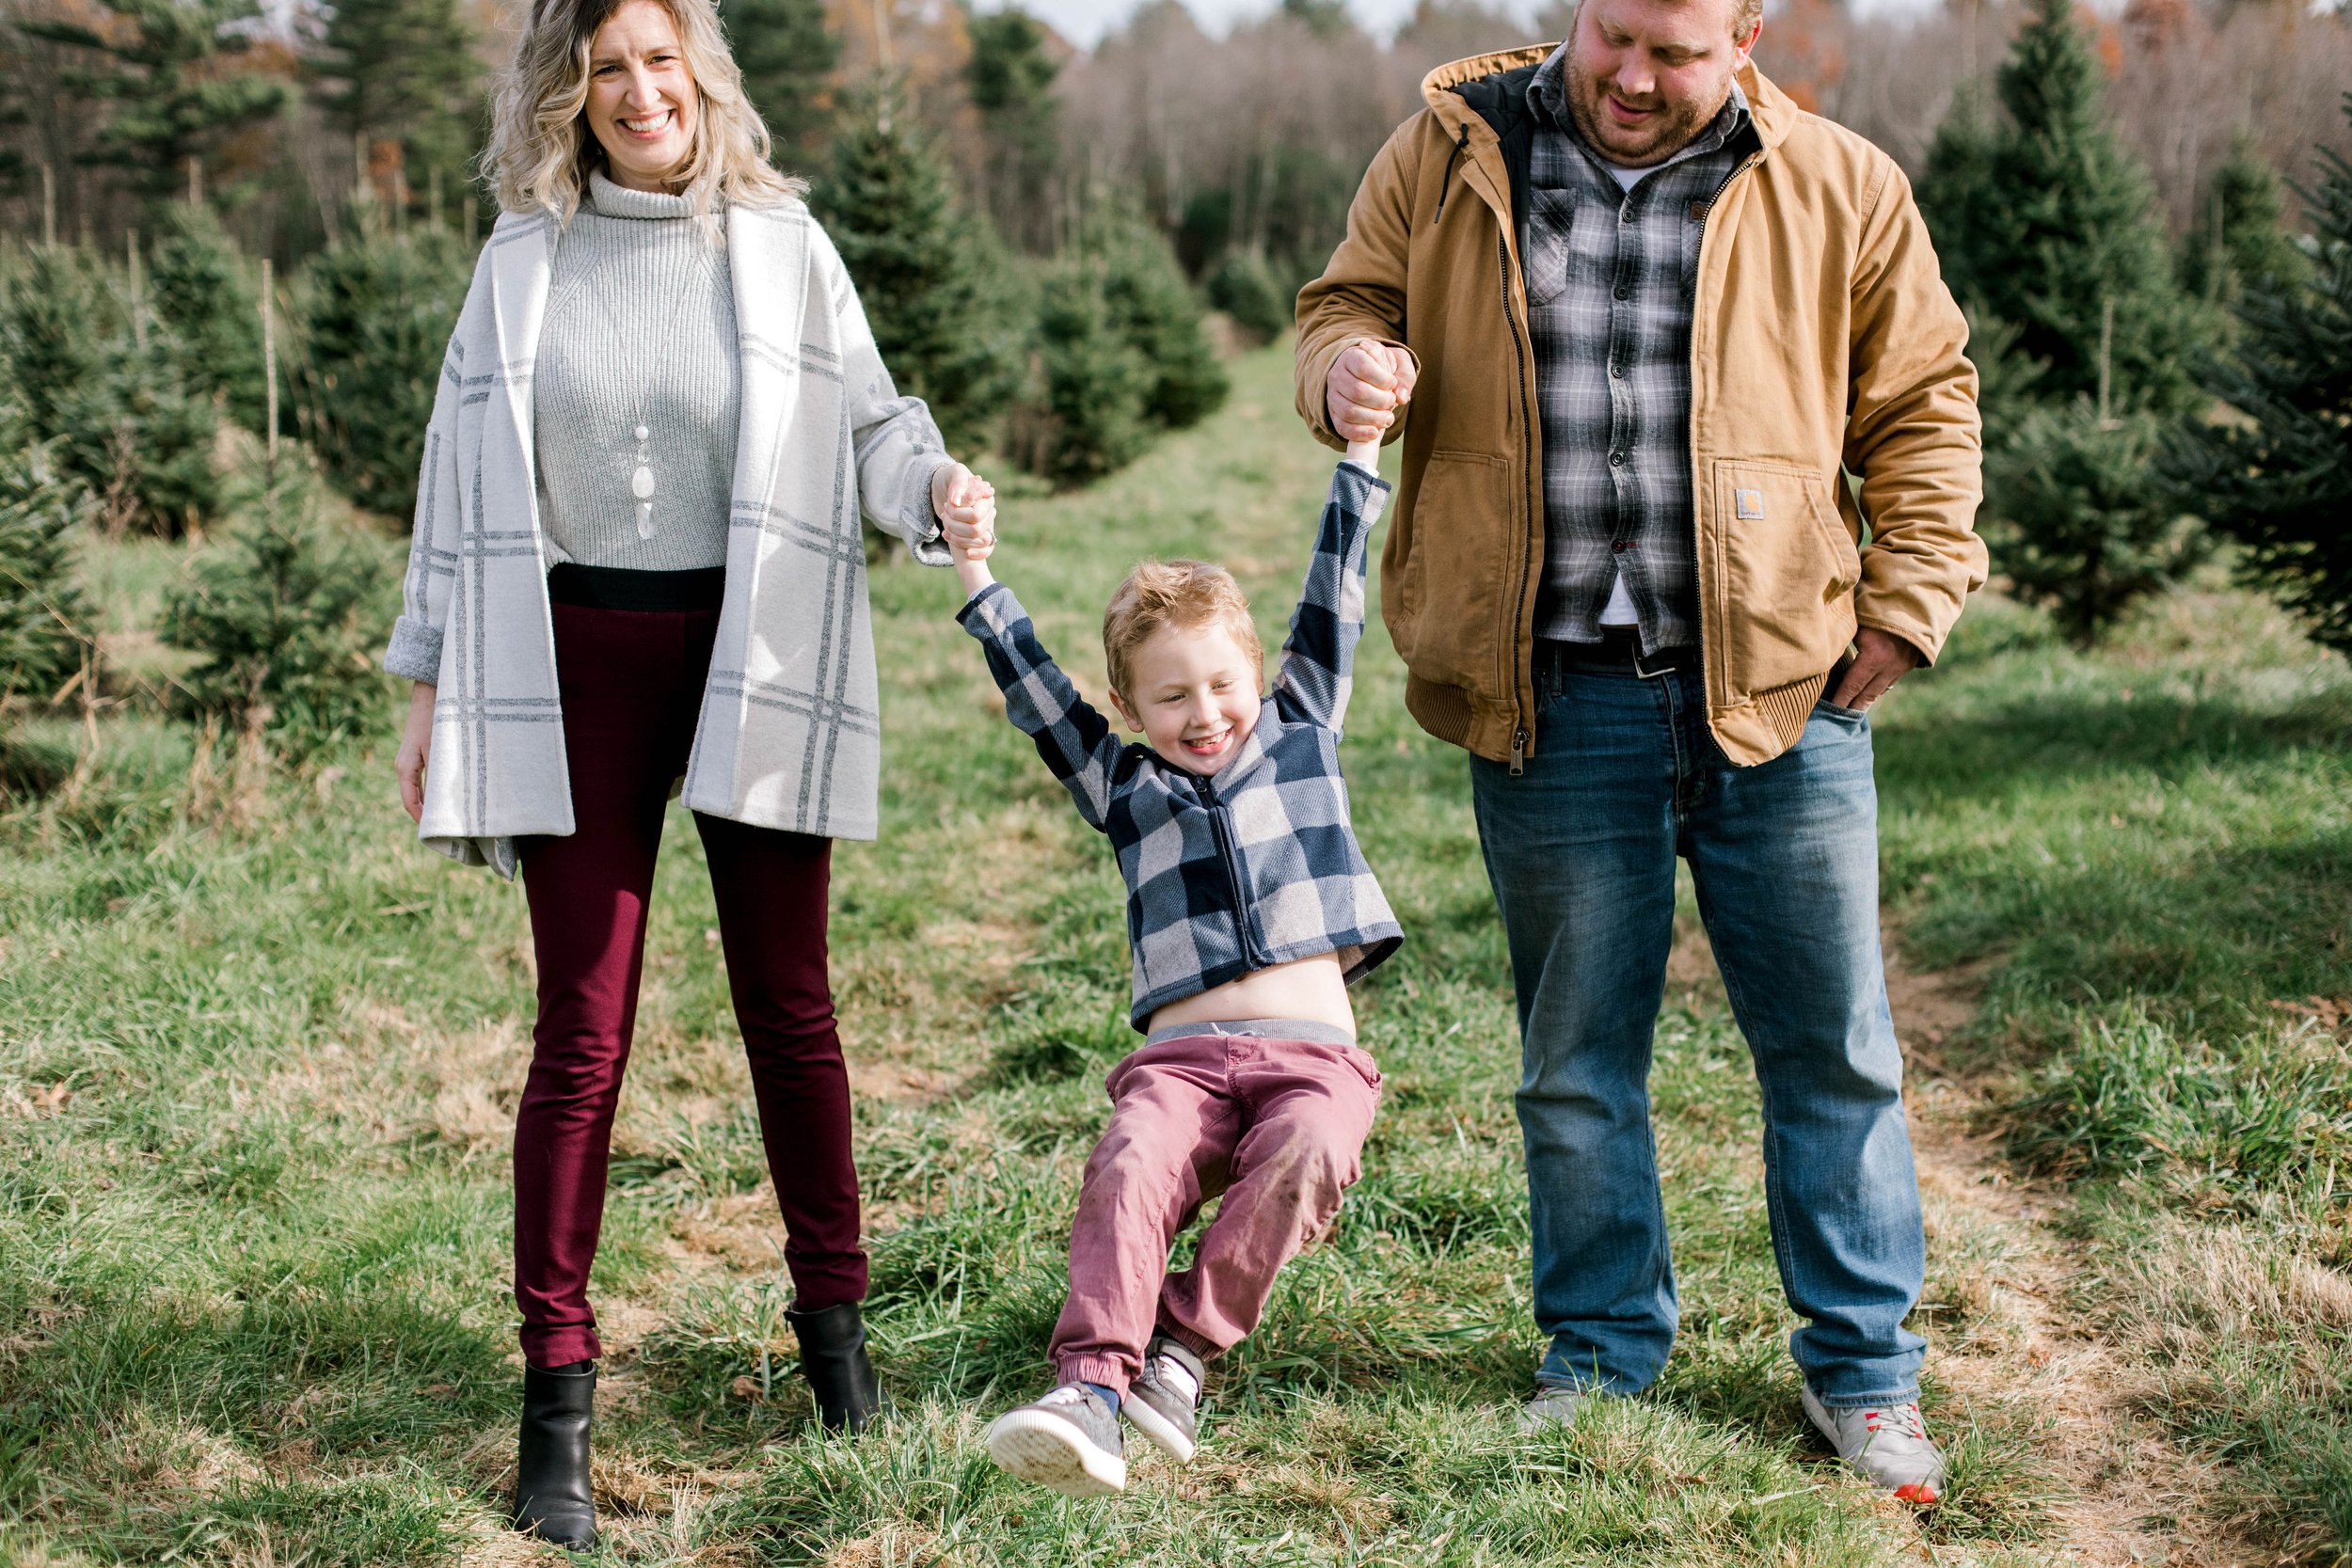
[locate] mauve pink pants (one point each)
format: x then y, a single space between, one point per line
1275 1125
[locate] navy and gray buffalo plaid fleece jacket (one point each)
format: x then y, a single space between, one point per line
1257 866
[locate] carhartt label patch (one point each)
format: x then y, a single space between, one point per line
1750 505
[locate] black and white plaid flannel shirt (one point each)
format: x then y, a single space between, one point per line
1609 279
1253 867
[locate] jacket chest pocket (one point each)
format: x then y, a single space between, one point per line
1790 570
1550 216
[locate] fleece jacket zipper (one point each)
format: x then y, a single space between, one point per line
1229 854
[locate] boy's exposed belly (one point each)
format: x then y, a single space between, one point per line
1311 989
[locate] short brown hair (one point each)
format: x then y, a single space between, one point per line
1187 594
1745 14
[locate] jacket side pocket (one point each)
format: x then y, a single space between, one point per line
1442 582
1790 570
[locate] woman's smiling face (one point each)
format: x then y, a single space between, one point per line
641 96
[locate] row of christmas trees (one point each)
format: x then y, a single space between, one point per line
2140 403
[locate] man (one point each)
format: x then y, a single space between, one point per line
1646 315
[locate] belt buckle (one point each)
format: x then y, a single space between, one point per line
1644 672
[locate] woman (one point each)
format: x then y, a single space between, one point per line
638 557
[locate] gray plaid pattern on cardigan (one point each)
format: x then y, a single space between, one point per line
789 733
1256 865
1610 275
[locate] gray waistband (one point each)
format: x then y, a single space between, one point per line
1259 1028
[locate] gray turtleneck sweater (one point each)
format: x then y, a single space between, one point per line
639 330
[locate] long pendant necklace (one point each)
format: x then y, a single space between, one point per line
641 481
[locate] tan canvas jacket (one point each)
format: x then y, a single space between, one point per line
1823 338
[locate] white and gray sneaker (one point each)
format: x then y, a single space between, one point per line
1887 1442
1163 1402
1552 1406
1069 1440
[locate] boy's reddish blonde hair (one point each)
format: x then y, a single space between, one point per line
1187 594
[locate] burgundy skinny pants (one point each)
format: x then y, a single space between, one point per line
631 684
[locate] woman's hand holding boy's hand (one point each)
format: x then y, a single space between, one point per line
966 504
957 493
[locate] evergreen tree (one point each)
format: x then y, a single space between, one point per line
1244 288
376 314
43 627
1154 307
2007 381
213 310
2240 234
786 54
1010 78
2082 529
54 334
45 632
168 67
124 423
2279 479
2064 232
288 616
1090 418
890 208
1958 196
141 442
404 71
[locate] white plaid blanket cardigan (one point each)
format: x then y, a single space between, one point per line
789 733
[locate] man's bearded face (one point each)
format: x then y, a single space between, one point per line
1644 77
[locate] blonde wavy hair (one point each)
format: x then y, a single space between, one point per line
540 150
1191 596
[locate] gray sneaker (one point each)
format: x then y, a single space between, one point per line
1887 1442
1164 1400
1552 1406
1069 1440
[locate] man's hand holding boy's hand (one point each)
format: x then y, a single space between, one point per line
1368 388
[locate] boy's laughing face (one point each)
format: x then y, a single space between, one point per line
1194 697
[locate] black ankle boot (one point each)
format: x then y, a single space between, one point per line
833 1359
551 1498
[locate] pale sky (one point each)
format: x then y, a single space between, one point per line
1084 21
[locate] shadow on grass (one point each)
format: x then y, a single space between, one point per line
2222 930
2073 735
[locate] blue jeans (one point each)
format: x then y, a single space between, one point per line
1580 850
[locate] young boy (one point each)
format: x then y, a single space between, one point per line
1249 909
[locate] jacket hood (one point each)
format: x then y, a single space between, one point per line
1772 112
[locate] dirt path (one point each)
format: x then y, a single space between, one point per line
2123 1494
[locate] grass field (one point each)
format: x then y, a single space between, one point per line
258 1056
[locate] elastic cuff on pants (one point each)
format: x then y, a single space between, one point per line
1207 1349
1104 1370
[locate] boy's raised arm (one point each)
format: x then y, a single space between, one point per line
1319 656
1076 741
